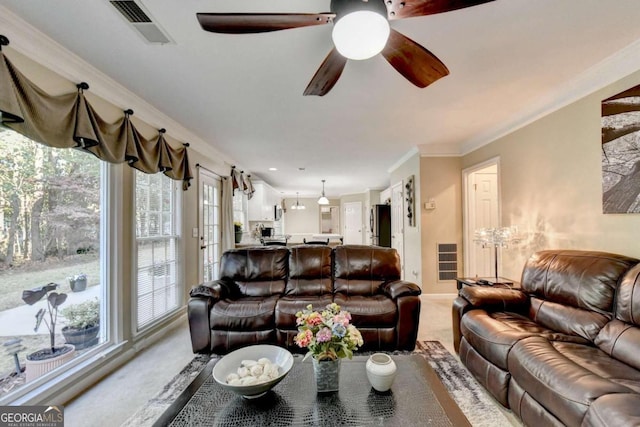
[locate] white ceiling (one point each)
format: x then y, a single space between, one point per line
509 60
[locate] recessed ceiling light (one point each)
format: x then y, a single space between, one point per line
273 169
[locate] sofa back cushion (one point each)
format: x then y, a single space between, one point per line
620 338
309 270
573 291
361 270
255 272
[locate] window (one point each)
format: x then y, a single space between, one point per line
156 223
240 209
51 222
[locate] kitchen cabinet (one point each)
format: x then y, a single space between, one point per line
261 205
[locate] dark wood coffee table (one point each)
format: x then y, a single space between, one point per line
417 397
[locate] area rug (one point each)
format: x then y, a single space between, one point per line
480 409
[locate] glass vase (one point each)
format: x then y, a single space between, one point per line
327 373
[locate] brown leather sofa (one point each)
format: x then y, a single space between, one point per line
261 289
564 350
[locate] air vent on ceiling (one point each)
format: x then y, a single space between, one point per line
447 261
140 20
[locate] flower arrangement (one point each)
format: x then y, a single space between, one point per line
329 334
237 226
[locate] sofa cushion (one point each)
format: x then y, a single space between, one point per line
620 338
628 298
573 291
581 279
244 314
566 319
493 334
288 306
255 272
614 410
374 311
309 271
566 378
362 270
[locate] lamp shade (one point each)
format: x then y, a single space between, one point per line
360 35
323 199
297 205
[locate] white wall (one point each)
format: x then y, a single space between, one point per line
412 240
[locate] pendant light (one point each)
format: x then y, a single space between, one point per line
323 199
297 205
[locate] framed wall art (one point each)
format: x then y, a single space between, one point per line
621 152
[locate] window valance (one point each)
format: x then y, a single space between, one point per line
241 182
69 121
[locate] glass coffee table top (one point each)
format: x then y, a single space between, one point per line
417 397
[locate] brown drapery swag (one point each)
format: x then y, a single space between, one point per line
241 182
69 121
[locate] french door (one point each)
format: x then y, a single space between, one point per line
209 213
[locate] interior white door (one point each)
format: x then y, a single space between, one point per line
352 231
209 213
483 213
397 221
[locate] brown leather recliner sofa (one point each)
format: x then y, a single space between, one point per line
261 290
563 350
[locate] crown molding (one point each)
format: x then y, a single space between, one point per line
439 150
40 48
409 154
608 71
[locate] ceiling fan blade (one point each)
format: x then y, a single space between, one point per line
327 75
245 23
413 61
399 9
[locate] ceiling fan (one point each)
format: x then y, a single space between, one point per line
357 23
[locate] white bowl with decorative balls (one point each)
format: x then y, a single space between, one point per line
254 370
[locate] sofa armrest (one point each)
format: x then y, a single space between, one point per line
216 290
492 299
400 288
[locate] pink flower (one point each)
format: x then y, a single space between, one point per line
304 338
343 318
314 319
323 335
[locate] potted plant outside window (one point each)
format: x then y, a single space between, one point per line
83 324
78 283
42 361
237 226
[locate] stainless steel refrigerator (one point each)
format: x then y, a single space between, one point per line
380 222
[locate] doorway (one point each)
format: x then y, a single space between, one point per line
397 223
209 213
352 223
481 210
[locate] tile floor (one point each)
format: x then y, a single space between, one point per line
114 399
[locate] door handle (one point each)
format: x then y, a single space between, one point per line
203 247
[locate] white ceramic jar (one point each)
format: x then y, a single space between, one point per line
381 371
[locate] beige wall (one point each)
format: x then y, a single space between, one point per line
412 236
440 179
550 174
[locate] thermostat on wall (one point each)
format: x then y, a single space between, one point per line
430 205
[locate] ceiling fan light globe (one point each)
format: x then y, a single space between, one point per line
360 35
